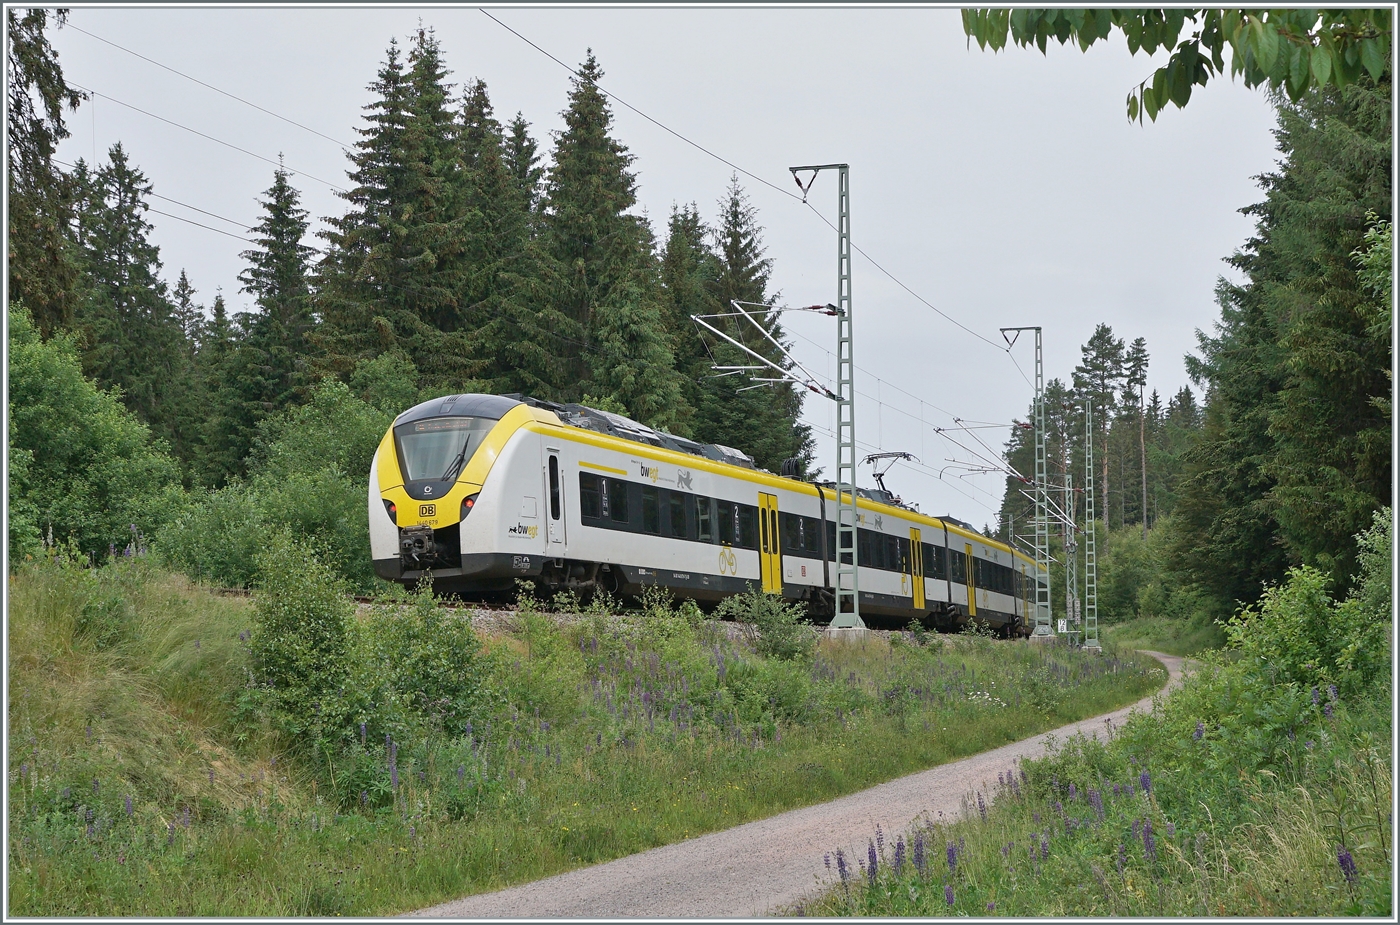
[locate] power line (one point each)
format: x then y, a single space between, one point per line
663 127
220 141
773 186
209 86
198 224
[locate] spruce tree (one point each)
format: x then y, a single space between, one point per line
517 332
132 340
186 313
1294 456
608 282
277 343
43 273
1099 377
764 422
521 156
392 277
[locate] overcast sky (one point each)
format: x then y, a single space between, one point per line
1005 189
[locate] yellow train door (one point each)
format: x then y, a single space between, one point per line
971 585
769 557
916 567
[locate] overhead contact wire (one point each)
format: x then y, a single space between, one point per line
207 86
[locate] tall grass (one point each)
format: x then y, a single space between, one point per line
1262 786
142 784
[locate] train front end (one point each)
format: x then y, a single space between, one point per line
431 471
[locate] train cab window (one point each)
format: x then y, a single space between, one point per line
615 500
589 495
651 509
678 502
704 529
727 514
747 514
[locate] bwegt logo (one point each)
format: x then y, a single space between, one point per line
522 530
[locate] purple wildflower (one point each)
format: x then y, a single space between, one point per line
461 772
1200 731
880 838
952 858
899 856
185 817
1096 801
1072 791
1145 780
919 858
981 807
1171 829
1149 844
94 786
364 797
23 770
1316 697
1122 858
128 806
1137 827
1044 845
874 859
1332 692
1308 744
1346 863
841 867
948 893
826 859
991 907
1327 710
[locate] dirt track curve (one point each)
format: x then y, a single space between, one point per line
752 869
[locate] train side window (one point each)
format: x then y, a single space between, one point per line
893 560
745 516
589 495
704 531
791 532
651 510
830 540
677 502
903 554
728 518
615 500
553 487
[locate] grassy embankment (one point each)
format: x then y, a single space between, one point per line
141 783
1163 634
1261 787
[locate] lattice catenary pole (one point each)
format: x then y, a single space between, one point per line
847 575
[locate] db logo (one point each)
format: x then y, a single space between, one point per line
427 510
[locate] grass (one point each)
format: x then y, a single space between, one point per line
139 787
1161 821
1163 634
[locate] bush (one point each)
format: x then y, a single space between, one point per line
300 640
81 465
778 627
308 474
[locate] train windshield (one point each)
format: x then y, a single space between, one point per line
439 448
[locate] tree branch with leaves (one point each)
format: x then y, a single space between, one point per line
1291 50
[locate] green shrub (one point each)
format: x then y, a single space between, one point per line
82 466
778 627
300 640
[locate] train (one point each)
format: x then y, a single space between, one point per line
476 492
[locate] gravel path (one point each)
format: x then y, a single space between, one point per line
757 867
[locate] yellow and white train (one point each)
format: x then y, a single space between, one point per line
477 491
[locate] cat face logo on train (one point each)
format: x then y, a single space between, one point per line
522 530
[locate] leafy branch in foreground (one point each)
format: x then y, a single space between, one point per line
1289 49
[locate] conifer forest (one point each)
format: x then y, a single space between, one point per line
187 536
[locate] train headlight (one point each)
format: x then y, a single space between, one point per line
468 503
392 510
